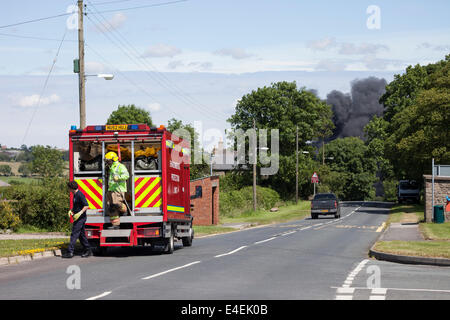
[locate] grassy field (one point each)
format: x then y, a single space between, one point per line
25 180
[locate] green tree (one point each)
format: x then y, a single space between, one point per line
352 171
25 169
5 170
403 90
47 161
420 131
130 114
285 107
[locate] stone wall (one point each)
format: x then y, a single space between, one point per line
205 208
441 191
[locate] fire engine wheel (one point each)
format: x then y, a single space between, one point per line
187 241
169 245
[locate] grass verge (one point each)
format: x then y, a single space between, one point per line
10 248
435 249
409 213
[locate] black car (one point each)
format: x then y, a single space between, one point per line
325 204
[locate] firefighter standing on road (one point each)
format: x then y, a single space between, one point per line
117 186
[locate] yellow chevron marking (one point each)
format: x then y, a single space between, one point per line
91 194
152 197
150 187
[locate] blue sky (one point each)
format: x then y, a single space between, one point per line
193 60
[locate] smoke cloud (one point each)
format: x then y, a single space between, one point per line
352 111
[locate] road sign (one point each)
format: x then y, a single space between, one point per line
315 178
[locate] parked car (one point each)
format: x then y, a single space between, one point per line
325 204
408 190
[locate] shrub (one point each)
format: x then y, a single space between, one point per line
43 205
390 190
236 202
8 219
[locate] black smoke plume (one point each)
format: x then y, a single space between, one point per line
352 111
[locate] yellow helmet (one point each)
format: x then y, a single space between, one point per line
112 155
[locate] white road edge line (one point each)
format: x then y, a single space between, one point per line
262 241
104 294
231 252
170 270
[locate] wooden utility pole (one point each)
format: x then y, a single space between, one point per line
254 171
81 76
296 165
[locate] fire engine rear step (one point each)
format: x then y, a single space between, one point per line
122 233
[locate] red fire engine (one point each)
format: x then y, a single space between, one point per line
157 194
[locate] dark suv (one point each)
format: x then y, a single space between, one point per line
325 204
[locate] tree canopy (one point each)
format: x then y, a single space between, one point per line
130 114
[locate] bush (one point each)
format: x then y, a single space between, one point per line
236 202
8 219
390 190
43 205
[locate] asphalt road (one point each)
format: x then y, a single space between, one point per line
305 259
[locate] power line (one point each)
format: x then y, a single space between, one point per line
35 20
33 37
162 79
44 87
124 75
144 6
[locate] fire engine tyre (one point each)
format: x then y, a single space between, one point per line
169 244
187 241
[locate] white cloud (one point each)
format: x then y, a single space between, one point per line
322 44
154 107
364 48
94 67
33 100
114 23
235 53
175 64
161 50
427 45
201 65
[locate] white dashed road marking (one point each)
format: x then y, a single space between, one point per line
170 270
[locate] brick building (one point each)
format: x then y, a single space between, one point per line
205 201
441 191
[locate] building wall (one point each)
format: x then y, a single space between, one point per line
203 212
441 191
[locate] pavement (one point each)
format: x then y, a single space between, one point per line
403 232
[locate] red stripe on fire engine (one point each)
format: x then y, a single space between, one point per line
144 187
155 201
92 189
150 193
92 201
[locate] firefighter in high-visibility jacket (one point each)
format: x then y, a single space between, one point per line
117 187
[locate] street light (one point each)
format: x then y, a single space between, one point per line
105 76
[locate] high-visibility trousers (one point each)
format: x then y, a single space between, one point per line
116 206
